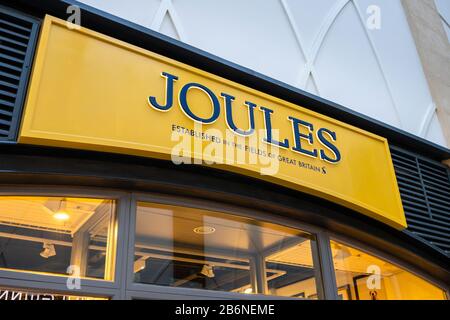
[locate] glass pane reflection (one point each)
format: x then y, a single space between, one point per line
362 276
49 234
294 264
194 248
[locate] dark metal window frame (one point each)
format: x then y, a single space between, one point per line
321 252
49 283
123 286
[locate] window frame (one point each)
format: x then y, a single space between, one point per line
390 258
57 283
141 290
123 285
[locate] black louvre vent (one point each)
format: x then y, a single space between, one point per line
425 191
17 41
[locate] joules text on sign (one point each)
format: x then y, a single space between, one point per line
325 137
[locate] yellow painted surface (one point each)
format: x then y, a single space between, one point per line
89 91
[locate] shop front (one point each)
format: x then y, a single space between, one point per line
128 174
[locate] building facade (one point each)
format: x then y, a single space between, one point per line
224 149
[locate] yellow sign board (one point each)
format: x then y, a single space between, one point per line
90 91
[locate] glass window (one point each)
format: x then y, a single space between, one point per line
290 269
361 276
193 248
57 235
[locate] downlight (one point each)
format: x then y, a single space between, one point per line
204 230
62 214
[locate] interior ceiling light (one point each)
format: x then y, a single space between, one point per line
49 250
248 290
207 271
204 230
61 214
342 253
139 265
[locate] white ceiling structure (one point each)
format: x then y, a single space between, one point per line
320 46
